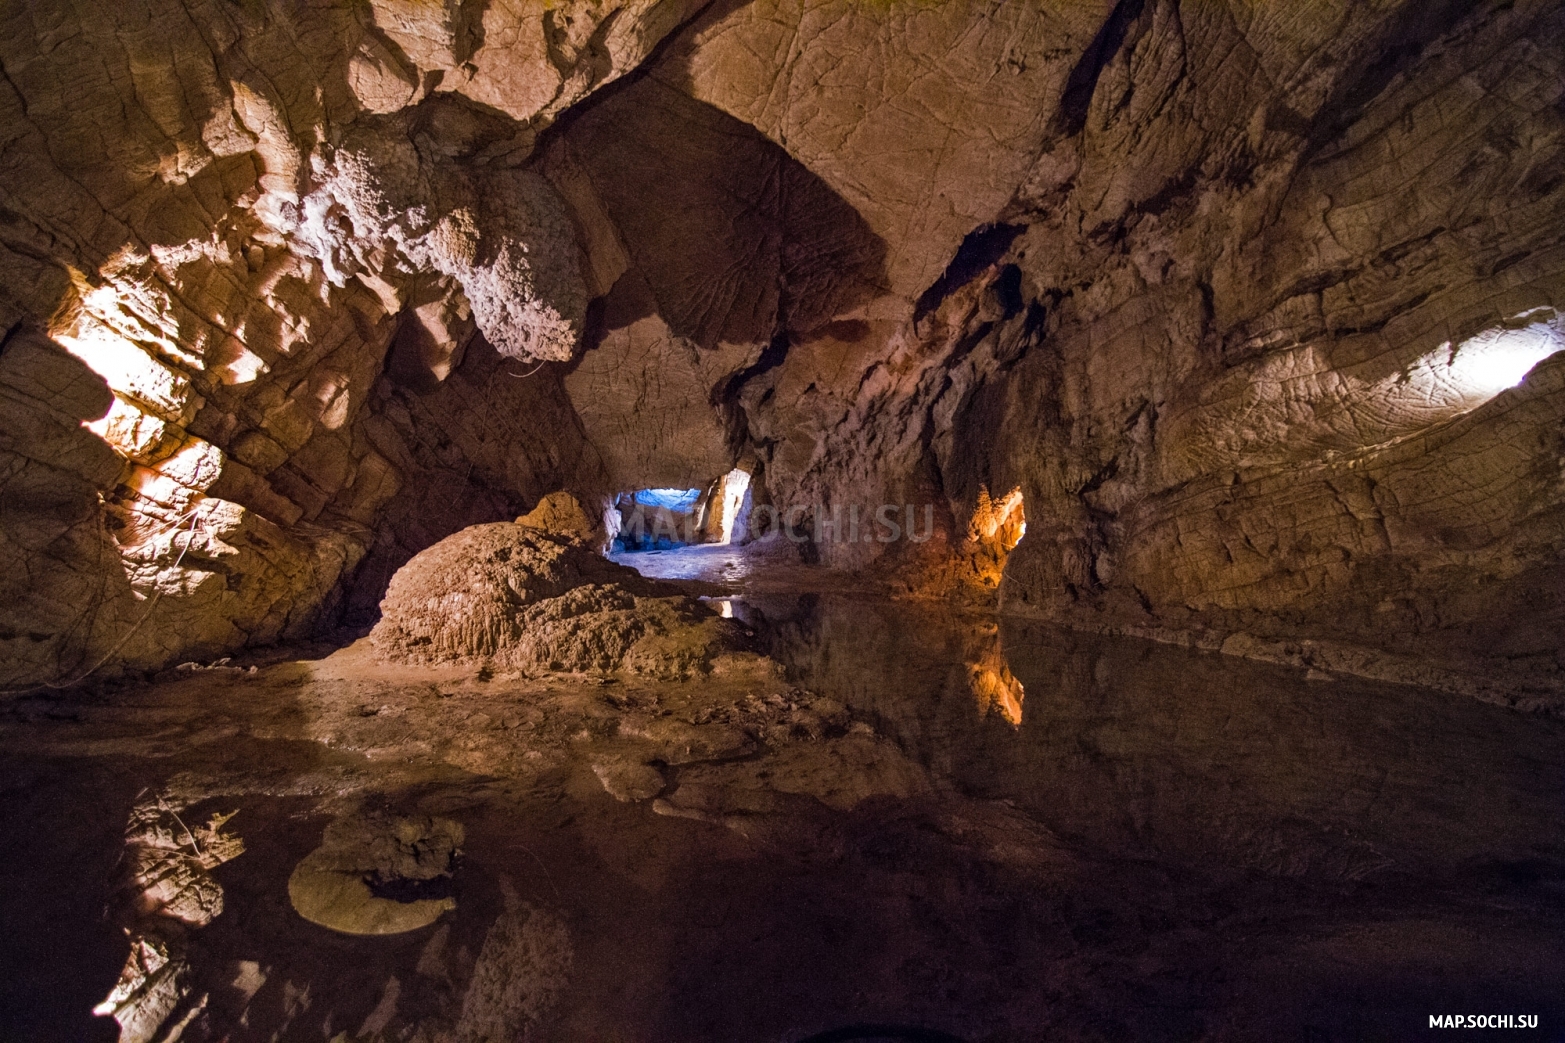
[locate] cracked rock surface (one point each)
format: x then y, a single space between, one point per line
1256 311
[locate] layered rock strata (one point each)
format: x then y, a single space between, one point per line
1235 302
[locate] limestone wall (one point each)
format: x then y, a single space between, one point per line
1211 287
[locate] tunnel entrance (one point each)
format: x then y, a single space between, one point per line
668 518
657 519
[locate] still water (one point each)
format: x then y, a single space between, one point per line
1146 750
1026 834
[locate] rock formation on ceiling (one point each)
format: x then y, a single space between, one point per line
1220 290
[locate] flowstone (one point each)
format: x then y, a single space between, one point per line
524 598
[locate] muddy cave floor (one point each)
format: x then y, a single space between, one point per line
988 828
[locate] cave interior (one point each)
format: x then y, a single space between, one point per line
743 520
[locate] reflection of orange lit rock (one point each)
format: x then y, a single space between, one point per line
995 687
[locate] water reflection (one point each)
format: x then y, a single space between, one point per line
1133 748
821 874
995 687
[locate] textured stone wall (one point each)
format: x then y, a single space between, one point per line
1209 285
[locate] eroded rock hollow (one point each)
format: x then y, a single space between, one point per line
1251 315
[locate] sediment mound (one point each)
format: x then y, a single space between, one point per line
562 514
521 597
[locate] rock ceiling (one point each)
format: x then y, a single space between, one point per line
1216 286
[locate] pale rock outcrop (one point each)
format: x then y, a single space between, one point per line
529 61
163 569
377 207
376 873
53 471
1235 279
1268 412
193 281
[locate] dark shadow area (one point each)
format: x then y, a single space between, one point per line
1156 751
446 125
1397 51
1082 83
479 447
65 822
74 766
980 248
733 237
874 1033
1326 842
348 973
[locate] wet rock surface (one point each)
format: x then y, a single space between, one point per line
163 891
1232 327
378 874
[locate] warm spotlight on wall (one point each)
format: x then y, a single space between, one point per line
1499 359
147 394
1001 520
127 368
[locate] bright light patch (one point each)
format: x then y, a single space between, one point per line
135 434
1001 520
735 484
1499 359
128 369
147 394
672 499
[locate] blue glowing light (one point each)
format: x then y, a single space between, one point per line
672 499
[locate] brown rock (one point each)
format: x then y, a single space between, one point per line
561 514
526 598
627 780
1209 292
